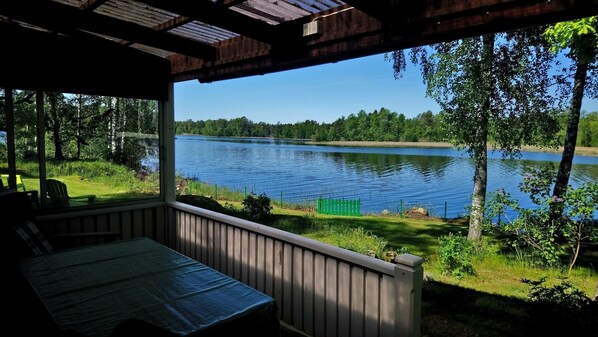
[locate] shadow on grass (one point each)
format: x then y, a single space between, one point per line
420 239
449 310
209 204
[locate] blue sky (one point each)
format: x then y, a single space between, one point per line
321 93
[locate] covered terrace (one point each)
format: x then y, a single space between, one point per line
139 48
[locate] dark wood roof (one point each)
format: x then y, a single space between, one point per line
135 47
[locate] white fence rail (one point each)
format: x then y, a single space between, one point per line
320 289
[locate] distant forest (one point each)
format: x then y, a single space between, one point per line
379 125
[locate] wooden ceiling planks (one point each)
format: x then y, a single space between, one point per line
349 33
215 40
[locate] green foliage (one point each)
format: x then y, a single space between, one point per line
482 89
580 37
455 254
547 238
588 130
355 239
257 208
382 125
490 87
389 255
3 148
563 295
121 130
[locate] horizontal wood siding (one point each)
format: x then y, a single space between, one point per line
146 219
317 292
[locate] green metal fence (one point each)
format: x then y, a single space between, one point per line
339 207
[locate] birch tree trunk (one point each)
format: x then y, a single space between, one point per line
480 178
562 178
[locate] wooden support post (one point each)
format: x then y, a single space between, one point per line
167 169
409 279
10 137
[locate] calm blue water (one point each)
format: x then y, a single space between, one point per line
380 177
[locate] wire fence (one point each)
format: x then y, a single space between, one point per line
370 202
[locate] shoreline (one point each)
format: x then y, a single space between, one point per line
579 150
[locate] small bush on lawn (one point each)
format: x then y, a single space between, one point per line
257 208
455 254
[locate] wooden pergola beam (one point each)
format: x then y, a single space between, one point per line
166 26
65 19
218 15
91 5
230 3
381 10
353 33
93 66
173 23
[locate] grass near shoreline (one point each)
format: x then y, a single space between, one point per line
579 150
497 273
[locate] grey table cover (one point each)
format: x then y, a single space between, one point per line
92 289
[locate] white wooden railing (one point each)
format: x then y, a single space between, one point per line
320 289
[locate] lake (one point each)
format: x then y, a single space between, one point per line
382 178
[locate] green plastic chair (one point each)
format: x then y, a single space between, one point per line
20 184
20 187
58 193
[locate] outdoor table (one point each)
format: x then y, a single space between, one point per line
91 290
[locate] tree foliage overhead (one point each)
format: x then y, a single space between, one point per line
520 110
489 87
579 38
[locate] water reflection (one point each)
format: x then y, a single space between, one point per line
380 177
384 165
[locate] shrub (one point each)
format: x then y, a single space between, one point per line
549 235
563 295
455 254
257 208
389 255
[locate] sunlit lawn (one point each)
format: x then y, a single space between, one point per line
104 192
496 272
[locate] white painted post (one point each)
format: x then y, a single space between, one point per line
167 169
409 278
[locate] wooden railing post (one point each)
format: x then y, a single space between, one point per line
409 278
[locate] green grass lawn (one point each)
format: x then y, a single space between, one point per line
496 272
109 182
493 302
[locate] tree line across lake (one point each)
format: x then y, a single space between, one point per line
379 125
